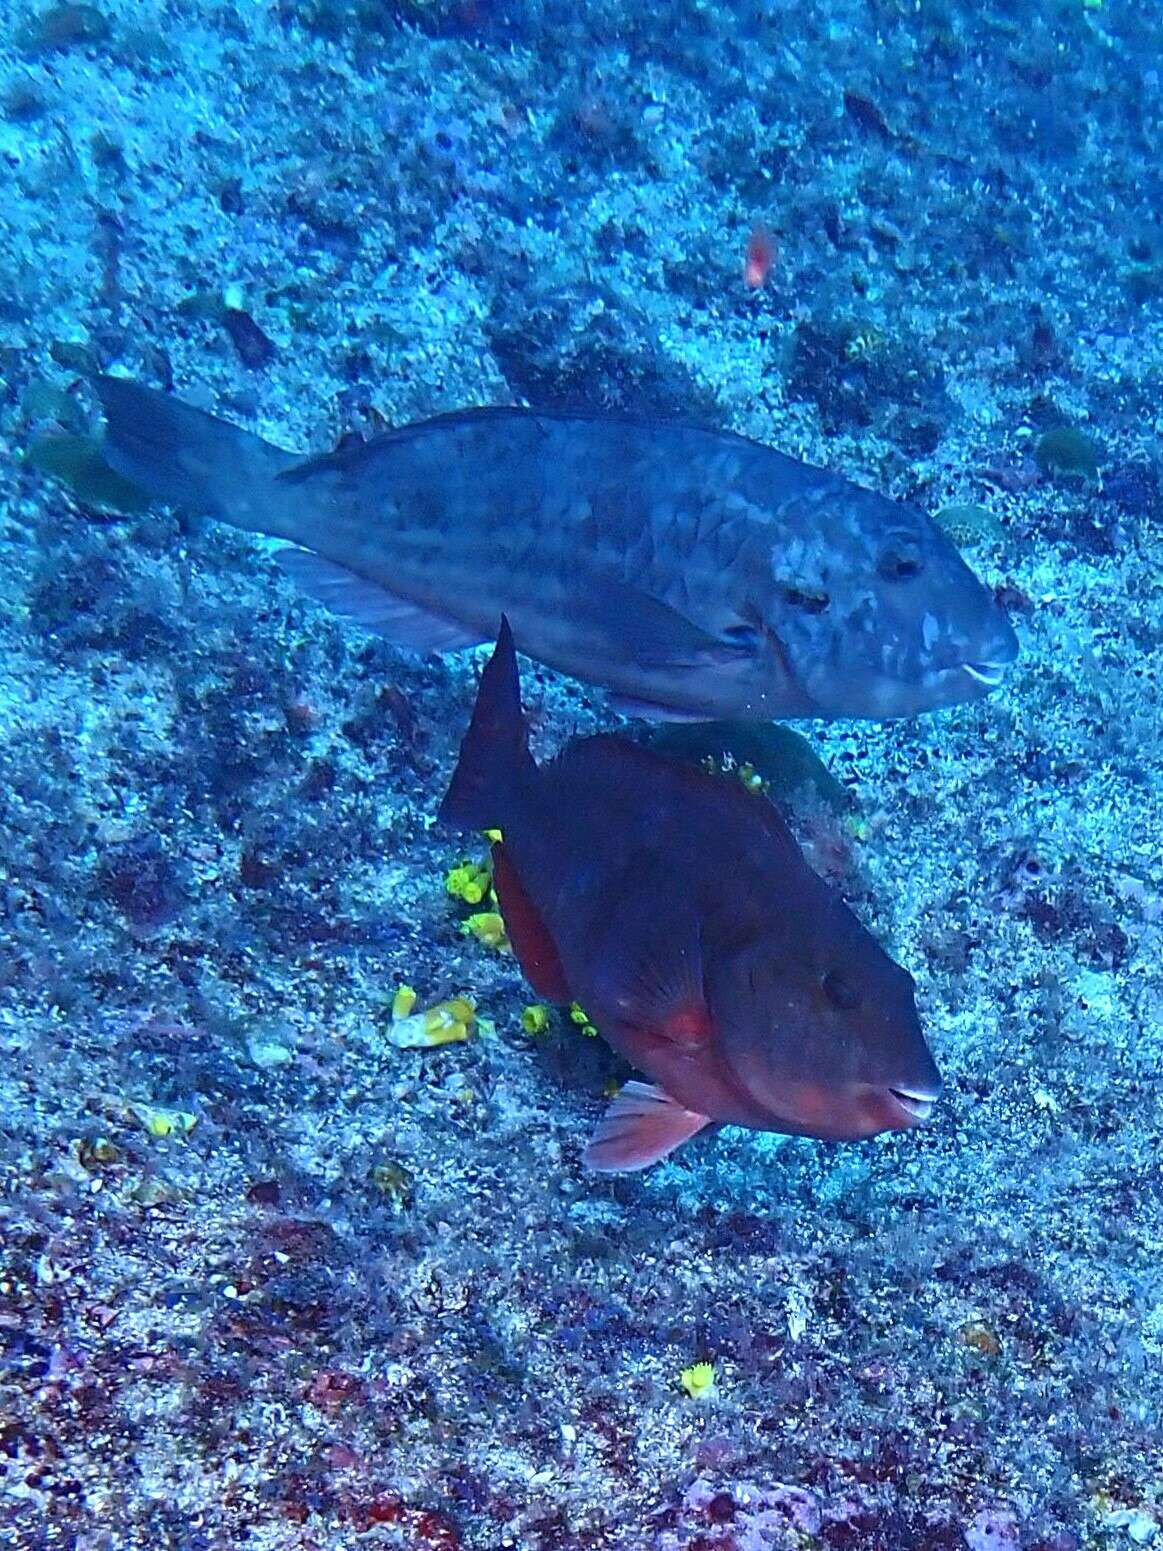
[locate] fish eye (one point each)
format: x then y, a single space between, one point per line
813 600
839 991
898 561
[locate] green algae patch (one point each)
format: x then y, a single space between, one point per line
42 401
393 1181
76 461
1067 452
535 1019
768 756
698 1380
488 927
968 523
161 1122
447 1023
470 881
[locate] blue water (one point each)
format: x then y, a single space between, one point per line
271 1278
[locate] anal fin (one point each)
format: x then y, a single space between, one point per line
641 1125
374 607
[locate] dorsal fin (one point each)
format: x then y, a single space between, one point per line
355 454
495 749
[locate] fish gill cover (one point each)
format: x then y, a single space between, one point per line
297 1245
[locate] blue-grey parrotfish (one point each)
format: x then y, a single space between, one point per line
693 573
674 905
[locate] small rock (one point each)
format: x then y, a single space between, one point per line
993 1529
64 27
267 1050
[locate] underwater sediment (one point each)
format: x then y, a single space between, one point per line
292 1258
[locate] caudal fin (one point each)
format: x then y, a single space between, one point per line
178 454
495 749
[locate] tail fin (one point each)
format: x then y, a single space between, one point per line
495 749
176 453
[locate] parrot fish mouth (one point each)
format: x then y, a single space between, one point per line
964 681
903 693
988 673
918 1106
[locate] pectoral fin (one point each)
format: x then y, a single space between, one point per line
653 634
642 1125
650 968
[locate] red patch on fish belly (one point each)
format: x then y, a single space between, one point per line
687 1025
651 974
534 947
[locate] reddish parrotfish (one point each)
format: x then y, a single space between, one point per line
693 573
675 906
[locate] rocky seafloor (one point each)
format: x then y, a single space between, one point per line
270 1280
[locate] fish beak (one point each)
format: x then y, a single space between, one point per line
988 673
997 655
918 1106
